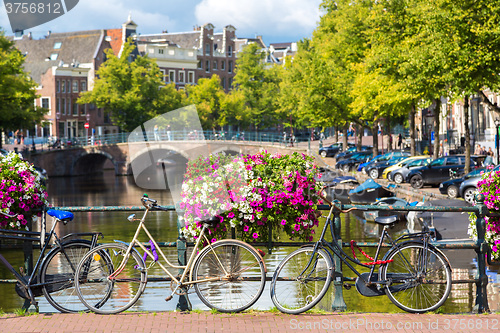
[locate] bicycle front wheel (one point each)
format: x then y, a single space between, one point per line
420 278
231 274
108 280
57 275
301 280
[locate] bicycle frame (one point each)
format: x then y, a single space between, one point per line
344 257
180 282
32 283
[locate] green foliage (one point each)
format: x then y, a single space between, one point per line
17 90
209 98
258 85
132 91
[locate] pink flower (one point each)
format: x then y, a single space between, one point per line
230 215
255 235
246 228
283 222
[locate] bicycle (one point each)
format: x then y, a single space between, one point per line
53 274
227 275
414 274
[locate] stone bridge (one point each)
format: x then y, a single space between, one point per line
93 159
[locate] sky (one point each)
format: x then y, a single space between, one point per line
275 21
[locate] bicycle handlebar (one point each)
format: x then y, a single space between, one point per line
152 203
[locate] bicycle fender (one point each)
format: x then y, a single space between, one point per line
420 243
233 240
133 248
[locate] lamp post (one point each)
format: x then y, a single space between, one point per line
497 125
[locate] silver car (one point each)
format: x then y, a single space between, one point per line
468 188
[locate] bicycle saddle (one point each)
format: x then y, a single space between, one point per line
386 220
61 214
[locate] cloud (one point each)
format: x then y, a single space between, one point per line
264 17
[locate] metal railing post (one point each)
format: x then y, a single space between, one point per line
338 303
481 305
28 262
183 304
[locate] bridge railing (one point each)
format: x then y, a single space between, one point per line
273 138
481 248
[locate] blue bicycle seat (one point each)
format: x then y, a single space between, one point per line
61 214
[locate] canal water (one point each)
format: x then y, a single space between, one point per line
108 190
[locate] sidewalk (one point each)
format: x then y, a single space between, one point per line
175 322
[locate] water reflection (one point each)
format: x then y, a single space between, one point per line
108 190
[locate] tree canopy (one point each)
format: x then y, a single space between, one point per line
17 90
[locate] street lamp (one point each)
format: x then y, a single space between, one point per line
497 125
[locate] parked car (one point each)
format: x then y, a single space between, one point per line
401 164
332 149
383 157
351 163
3 151
350 150
450 187
374 170
439 170
399 175
468 188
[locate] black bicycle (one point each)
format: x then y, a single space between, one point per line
53 274
415 275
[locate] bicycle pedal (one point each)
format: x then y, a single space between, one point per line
169 298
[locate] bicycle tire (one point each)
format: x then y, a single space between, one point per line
104 294
294 294
57 275
246 283
409 290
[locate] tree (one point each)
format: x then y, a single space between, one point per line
17 91
132 91
208 96
257 84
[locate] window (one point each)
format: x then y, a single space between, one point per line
230 51
83 85
171 76
160 51
75 109
438 162
45 101
75 86
163 75
190 77
454 160
207 49
200 65
207 66
181 77
223 81
83 110
215 65
57 45
58 105
53 56
230 66
63 86
230 81
63 106
58 86
222 65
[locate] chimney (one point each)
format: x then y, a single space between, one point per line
48 34
30 36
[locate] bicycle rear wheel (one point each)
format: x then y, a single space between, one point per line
57 275
102 286
243 284
421 279
301 280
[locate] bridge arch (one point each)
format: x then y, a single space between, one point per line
89 162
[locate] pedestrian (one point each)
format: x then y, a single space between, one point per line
157 135
400 140
168 133
483 150
488 160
